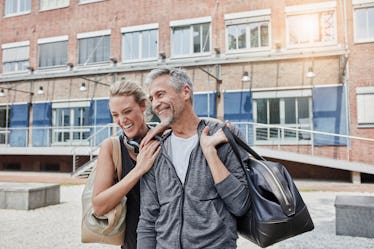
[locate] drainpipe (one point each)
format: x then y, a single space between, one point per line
355 176
346 71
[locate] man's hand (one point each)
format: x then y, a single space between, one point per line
211 141
208 145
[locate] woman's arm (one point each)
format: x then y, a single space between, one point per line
106 195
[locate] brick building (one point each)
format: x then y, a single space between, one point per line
308 64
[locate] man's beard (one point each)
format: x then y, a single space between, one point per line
168 121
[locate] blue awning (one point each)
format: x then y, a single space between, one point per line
238 106
41 123
329 115
19 121
205 104
100 116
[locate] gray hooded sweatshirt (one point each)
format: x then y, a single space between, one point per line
198 214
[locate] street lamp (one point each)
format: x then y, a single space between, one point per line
40 90
310 73
246 78
83 87
3 93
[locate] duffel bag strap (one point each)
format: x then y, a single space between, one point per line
279 188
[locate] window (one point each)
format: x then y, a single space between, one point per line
70 122
364 24
15 57
190 37
4 124
17 7
53 4
53 52
292 112
139 43
248 30
94 47
313 24
365 106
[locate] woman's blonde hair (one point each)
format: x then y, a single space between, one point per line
128 88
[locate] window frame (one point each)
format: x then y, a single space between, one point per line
70 129
140 29
306 123
362 4
53 40
364 97
248 18
4 130
311 9
189 24
25 62
92 35
45 5
18 12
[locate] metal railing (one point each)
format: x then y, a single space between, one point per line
309 142
50 136
274 137
94 144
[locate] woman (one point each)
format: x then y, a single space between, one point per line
127 104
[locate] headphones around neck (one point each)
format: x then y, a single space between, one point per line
132 144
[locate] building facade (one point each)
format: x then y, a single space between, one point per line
307 65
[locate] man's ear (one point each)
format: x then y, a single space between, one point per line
187 91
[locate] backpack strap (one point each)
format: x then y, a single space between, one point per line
116 155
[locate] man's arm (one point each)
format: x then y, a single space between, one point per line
149 210
228 176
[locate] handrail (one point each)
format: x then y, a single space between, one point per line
93 145
276 137
317 143
303 130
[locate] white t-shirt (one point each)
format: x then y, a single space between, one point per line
181 149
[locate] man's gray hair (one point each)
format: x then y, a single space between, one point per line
178 78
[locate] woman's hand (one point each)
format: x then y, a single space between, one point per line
156 131
147 156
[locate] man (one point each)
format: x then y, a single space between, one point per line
196 187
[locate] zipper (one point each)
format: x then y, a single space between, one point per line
182 185
288 204
182 204
183 194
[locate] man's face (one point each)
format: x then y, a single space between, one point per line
167 103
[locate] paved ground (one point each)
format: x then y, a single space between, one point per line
65 178
58 226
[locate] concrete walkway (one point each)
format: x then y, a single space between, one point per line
66 178
58 226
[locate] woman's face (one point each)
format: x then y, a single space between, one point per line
129 115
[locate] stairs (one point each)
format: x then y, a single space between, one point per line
85 170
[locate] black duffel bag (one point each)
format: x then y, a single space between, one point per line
277 209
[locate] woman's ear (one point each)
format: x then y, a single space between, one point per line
143 105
